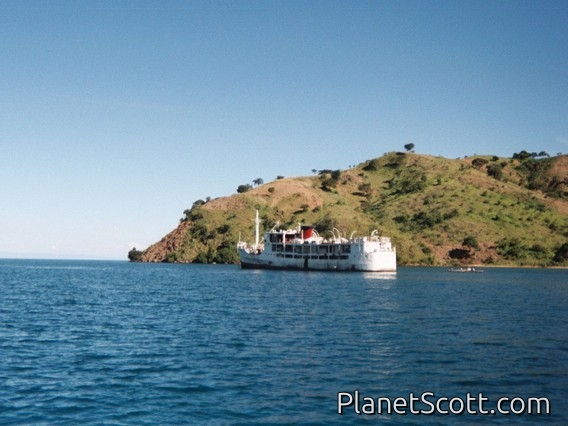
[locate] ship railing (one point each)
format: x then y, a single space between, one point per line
250 248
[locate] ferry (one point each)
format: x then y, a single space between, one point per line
302 248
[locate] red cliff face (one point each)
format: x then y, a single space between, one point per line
159 251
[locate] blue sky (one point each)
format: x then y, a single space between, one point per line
115 116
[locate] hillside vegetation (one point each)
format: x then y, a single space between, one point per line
478 210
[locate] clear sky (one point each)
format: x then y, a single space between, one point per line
115 116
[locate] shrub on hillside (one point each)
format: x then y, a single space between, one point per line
561 254
495 171
135 255
226 253
511 248
471 241
371 166
326 224
408 181
329 179
478 163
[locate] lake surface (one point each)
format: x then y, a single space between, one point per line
92 342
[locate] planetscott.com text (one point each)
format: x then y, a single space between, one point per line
428 403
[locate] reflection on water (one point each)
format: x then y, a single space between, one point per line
379 275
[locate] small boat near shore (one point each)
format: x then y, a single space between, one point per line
302 248
468 269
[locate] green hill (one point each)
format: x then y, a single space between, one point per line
478 210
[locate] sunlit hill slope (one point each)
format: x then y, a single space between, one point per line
478 210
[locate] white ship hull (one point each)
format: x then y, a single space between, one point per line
370 262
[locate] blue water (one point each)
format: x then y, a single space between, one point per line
92 343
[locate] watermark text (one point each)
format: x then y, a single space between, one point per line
428 403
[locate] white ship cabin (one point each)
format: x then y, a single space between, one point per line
306 242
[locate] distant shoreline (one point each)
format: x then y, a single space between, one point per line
485 266
237 264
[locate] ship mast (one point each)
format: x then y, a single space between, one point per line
256 229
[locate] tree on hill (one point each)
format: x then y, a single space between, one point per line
523 155
561 254
495 171
197 203
258 181
371 165
478 163
135 255
471 242
329 183
244 188
409 146
325 224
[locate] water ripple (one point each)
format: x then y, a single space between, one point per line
118 343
